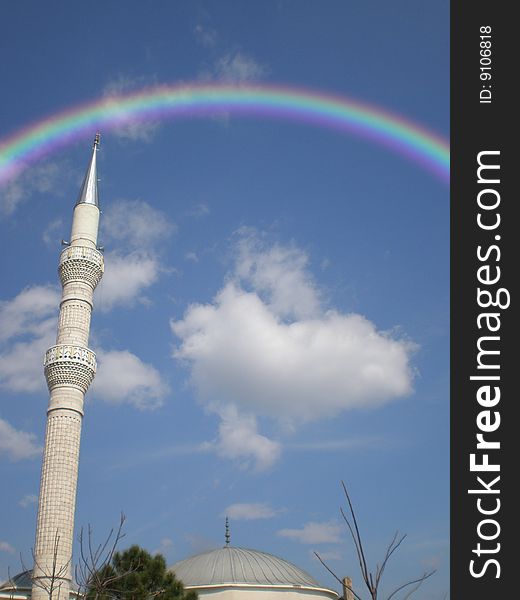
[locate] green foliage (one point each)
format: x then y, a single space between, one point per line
137 575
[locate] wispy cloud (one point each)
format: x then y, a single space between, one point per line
239 440
342 444
251 511
28 500
228 64
131 128
205 35
151 456
35 180
15 444
200 543
135 225
138 231
328 532
238 67
191 256
199 210
6 547
165 546
431 562
234 66
53 233
327 556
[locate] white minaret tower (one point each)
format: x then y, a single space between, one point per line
69 368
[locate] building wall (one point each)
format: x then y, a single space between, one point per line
262 593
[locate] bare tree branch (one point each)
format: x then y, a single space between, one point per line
328 568
390 550
92 572
49 578
419 581
358 535
335 576
372 579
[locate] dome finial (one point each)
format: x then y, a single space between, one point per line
228 535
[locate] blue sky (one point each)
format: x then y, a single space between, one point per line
274 314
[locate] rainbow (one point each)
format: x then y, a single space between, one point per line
30 144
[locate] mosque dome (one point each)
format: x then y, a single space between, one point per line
21 581
19 587
228 570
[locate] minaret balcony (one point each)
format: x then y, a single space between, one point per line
81 263
69 365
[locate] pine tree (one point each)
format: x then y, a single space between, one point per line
135 574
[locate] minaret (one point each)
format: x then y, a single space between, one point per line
69 368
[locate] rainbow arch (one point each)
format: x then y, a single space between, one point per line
339 113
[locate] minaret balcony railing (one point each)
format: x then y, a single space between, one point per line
81 263
69 365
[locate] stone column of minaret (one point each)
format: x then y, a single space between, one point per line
69 368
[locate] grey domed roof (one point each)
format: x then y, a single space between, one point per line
18 582
23 581
239 565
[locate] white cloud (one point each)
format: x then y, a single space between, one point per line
266 345
6 547
136 130
28 500
123 378
137 230
250 511
135 225
165 546
230 64
31 315
236 66
21 365
279 275
239 440
53 233
15 444
121 84
315 533
125 279
131 128
25 312
35 179
205 35
199 210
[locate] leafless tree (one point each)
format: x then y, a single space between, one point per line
372 579
92 575
9 584
92 572
50 578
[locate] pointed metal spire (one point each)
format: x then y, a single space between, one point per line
89 192
228 535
